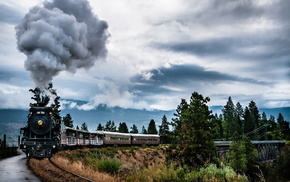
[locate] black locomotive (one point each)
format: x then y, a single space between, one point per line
41 136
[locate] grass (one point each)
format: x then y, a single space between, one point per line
138 164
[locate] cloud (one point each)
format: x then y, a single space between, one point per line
9 14
61 35
219 48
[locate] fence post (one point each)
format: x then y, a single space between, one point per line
18 141
4 141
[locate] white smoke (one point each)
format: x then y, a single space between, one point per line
61 35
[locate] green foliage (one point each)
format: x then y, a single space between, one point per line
152 127
230 118
110 126
100 127
172 174
164 131
243 157
217 129
123 128
283 164
144 131
67 121
134 129
84 127
104 165
194 146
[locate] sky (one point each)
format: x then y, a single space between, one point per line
158 52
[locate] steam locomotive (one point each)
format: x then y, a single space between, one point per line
45 135
41 135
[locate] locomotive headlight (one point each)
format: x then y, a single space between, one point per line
40 122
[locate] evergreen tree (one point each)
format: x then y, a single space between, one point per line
152 127
134 129
249 125
230 117
77 127
254 113
164 130
239 115
284 126
178 121
195 147
67 121
110 126
100 127
144 131
123 128
216 127
84 127
243 156
264 116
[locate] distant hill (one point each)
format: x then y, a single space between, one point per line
12 119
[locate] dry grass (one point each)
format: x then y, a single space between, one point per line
80 169
48 173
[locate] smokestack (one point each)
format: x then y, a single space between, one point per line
61 35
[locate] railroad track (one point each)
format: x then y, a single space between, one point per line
66 171
48 171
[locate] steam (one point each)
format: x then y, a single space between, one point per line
61 35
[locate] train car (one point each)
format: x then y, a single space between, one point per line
115 138
145 139
41 135
74 137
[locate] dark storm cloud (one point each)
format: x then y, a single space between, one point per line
268 45
9 15
181 76
223 12
231 48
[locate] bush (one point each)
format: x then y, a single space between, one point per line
104 165
109 166
172 174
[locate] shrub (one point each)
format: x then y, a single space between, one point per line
104 165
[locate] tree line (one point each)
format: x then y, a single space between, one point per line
234 120
123 128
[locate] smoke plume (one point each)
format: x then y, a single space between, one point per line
61 35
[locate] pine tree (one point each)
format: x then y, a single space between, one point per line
178 121
284 126
152 127
110 126
249 125
84 127
254 113
230 117
164 130
134 129
217 128
239 115
100 127
242 154
195 147
123 128
144 131
67 121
